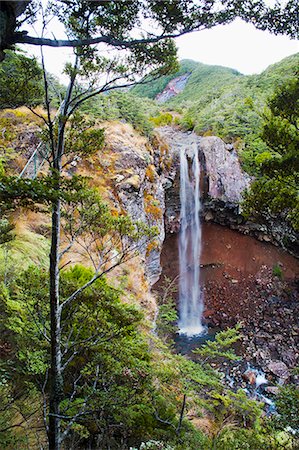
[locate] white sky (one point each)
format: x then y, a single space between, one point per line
238 45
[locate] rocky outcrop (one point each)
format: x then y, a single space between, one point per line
223 181
226 180
173 88
137 187
270 228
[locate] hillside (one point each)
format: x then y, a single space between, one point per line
220 101
201 75
217 80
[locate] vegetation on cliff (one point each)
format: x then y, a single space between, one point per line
80 366
276 188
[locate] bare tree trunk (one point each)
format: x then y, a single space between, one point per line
181 415
56 381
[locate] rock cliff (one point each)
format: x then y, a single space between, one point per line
137 186
223 182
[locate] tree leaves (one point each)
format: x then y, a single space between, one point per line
20 81
276 190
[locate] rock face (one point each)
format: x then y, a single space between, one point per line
226 180
173 88
223 181
279 369
137 186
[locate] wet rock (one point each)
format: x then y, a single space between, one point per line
249 376
209 216
273 390
289 358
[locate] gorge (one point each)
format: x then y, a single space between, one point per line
176 311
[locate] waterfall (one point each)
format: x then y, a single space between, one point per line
190 295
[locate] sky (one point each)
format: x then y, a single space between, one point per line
238 45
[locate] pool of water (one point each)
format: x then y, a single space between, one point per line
185 344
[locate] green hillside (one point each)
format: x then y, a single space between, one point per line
206 83
220 101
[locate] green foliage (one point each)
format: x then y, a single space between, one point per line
167 320
220 101
24 249
83 138
105 356
253 153
24 316
276 190
15 409
6 229
2 171
287 404
236 405
220 347
162 119
24 192
99 330
187 122
123 106
245 439
123 390
277 271
21 81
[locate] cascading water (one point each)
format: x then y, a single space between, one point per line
190 295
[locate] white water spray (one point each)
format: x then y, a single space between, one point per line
190 295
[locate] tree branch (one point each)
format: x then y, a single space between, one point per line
22 38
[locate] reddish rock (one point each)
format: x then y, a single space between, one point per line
209 313
249 376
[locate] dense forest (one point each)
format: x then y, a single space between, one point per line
88 350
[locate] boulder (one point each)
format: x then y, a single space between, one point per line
227 181
273 390
279 369
249 376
